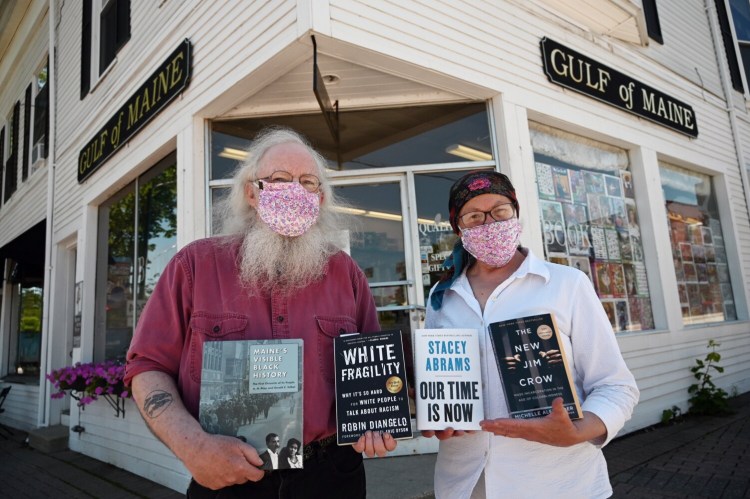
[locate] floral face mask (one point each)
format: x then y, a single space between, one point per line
493 244
287 208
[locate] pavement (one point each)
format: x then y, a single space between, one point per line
698 457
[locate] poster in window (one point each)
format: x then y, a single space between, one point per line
640 278
678 270
631 287
609 309
690 273
710 254
696 236
626 247
635 243
603 280
694 298
612 186
599 243
576 223
594 183
582 263
713 276
618 280
647 315
545 184
559 260
613 244
686 252
707 235
562 183
726 292
682 291
679 232
627 184
617 214
577 186
633 226
636 313
702 272
699 253
621 314
596 217
553 227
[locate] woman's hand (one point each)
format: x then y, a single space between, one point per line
445 434
554 429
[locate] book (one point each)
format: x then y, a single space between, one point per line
252 389
449 380
533 367
371 386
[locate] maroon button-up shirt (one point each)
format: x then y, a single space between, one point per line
199 298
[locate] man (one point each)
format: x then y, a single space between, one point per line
279 273
270 458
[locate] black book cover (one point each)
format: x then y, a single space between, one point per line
371 386
533 366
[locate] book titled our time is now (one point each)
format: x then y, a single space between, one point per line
448 378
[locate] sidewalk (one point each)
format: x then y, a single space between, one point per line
697 458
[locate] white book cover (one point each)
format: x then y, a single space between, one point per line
448 379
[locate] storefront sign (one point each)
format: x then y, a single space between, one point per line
577 72
166 83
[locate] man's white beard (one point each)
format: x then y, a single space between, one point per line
269 260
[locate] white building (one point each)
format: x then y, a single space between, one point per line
623 124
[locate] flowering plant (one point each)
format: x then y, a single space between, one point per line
90 381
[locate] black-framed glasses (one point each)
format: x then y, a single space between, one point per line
499 213
310 182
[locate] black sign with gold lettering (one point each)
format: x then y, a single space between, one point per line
573 70
166 83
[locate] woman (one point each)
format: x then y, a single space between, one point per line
289 456
491 278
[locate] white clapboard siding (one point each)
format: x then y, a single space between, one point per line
21 407
27 206
127 443
247 28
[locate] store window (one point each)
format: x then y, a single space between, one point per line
741 18
40 142
10 182
590 221
29 340
137 237
698 251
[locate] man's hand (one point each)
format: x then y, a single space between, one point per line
554 429
220 461
375 443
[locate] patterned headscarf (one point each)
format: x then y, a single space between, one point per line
472 185
469 186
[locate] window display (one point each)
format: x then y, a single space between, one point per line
699 255
590 221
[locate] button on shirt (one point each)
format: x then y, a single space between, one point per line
199 298
515 467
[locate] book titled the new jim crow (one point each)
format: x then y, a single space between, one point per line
533 367
252 389
371 386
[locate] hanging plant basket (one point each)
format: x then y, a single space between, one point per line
87 382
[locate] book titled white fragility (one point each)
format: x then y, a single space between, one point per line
448 379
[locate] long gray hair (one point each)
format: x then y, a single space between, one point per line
235 215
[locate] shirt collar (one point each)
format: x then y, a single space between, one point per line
531 265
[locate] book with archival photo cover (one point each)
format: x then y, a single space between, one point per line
449 379
533 367
371 386
252 389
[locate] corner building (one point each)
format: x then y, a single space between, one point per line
623 124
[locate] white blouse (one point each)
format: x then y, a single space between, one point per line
515 467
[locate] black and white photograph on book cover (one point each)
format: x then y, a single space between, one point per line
252 389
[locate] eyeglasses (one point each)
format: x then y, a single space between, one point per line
310 182
499 213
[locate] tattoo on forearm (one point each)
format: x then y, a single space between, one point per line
156 402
